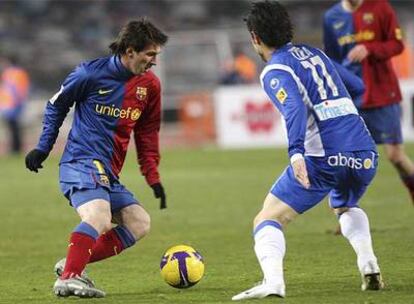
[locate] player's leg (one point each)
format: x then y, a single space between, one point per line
385 127
270 248
353 220
286 200
396 154
133 223
91 201
270 244
95 219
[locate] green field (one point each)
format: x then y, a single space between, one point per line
213 196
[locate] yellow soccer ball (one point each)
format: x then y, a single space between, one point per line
182 266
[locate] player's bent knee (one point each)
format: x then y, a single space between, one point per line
96 213
100 223
276 210
138 222
143 226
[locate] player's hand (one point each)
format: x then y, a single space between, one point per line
358 53
160 193
301 174
34 159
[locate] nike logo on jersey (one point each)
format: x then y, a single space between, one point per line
338 25
103 92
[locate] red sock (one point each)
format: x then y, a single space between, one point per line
107 245
79 252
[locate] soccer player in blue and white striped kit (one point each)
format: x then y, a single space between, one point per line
331 151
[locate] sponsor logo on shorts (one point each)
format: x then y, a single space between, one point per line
340 160
128 113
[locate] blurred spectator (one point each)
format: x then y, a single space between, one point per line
242 70
14 89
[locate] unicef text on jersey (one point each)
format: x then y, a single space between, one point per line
340 160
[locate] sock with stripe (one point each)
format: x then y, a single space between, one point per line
81 242
270 248
112 243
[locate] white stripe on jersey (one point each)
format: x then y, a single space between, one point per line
313 140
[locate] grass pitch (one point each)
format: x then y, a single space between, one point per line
212 198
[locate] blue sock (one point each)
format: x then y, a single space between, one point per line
126 236
87 229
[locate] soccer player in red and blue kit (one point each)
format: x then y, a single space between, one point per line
113 96
363 36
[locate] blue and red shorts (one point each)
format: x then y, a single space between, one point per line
86 179
384 123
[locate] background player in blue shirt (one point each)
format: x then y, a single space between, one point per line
331 152
114 97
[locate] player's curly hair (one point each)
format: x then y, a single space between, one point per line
270 21
137 34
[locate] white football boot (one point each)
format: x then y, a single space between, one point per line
371 277
60 266
260 291
76 286
61 290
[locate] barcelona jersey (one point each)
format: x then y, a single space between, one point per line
110 104
374 25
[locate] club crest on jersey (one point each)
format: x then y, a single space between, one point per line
274 83
281 95
368 18
141 93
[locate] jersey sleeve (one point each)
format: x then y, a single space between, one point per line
72 90
331 46
146 135
392 45
282 89
352 82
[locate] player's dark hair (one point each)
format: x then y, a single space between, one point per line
270 21
137 34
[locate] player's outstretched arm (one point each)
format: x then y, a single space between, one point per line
73 89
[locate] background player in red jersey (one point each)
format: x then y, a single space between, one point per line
114 97
363 36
